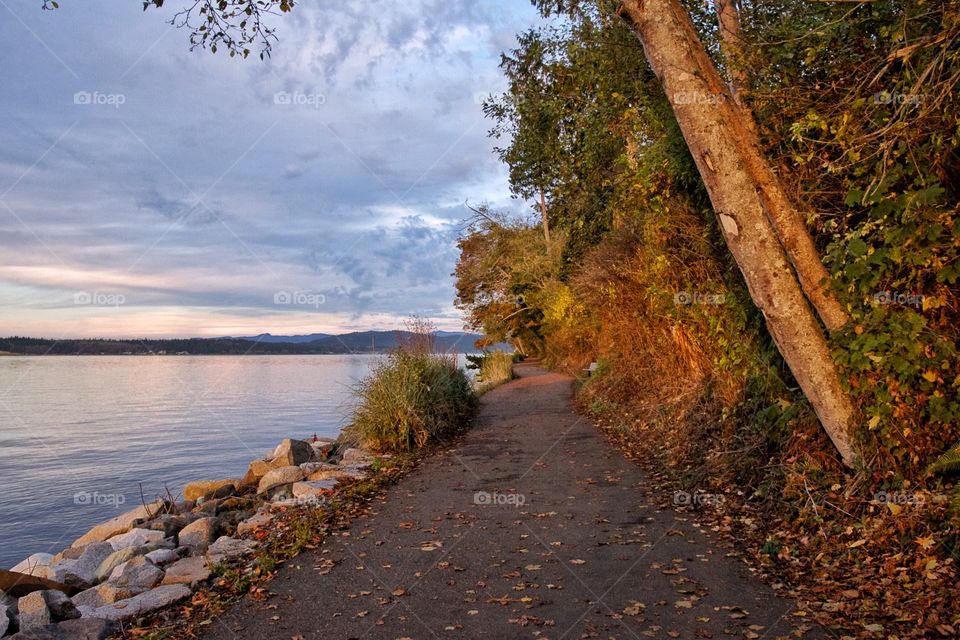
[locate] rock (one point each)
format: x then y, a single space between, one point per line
187 571
236 504
83 571
119 524
76 629
357 457
200 488
314 492
139 573
199 534
161 557
135 538
292 453
282 475
41 608
106 593
228 548
4 621
36 565
337 473
117 559
258 521
169 524
142 603
256 470
16 584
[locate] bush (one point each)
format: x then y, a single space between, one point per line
496 367
410 399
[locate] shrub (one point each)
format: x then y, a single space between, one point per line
496 367
410 399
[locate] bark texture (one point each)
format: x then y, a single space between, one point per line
754 212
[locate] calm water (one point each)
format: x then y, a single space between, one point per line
80 435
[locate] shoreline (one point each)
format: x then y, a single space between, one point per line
158 553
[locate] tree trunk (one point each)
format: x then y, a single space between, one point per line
786 219
543 216
749 201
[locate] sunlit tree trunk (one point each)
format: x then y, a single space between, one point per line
754 212
543 216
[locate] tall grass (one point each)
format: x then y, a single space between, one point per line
496 368
410 399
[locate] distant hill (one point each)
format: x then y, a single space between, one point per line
264 344
266 337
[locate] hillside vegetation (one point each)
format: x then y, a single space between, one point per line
623 262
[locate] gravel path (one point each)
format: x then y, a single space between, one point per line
531 526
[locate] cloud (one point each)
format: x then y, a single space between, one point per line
339 166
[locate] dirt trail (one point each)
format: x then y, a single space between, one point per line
450 552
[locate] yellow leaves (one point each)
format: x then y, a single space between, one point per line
858 543
925 542
931 375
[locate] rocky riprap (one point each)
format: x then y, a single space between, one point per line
157 554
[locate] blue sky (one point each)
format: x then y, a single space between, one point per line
146 190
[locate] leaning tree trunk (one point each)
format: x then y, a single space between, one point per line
785 217
748 198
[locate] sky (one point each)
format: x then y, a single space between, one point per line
150 191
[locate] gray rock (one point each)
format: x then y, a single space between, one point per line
106 593
117 559
187 571
169 524
314 492
42 608
82 572
120 524
5 618
161 557
292 453
142 603
280 476
199 534
135 538
76 629
356 457
227 548
138 573
258 521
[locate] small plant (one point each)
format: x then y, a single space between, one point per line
771 547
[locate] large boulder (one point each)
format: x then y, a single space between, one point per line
82 572
161 557
106 593
200 488
141 603
120 524
121 557
36 565
42 608
199 534
187 571
135 538
337 472
138 574
276 477
292 453
75 629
